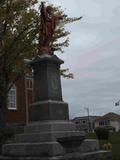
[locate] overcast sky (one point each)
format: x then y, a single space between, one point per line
93 56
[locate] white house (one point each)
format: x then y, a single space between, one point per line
85 123
110 120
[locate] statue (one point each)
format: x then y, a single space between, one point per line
48 25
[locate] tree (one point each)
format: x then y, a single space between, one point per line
19 28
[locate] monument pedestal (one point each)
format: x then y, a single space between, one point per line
47 90
49 110
50 135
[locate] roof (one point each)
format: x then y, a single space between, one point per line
85 117
109 116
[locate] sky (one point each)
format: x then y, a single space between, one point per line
93 56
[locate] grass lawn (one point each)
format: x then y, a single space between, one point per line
114 139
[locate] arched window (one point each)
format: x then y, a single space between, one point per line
12 98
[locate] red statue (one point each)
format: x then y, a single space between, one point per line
48 24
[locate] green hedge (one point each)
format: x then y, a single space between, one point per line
102 133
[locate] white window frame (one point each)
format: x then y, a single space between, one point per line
29 81
12 98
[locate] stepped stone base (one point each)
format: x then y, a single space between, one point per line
97 155
49 126
47 148
40 141
33 149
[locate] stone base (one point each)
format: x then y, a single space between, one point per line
47 148
49 126
44 149
48 110
41 138
98 155
40 141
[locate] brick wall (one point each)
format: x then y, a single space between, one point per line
23 98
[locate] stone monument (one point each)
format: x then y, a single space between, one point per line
50 135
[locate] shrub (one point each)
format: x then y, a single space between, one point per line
107 146
102 133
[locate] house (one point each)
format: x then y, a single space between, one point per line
85 123
110 120
19 98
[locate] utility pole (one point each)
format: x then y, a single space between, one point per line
88 114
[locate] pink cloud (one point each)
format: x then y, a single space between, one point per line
90 57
